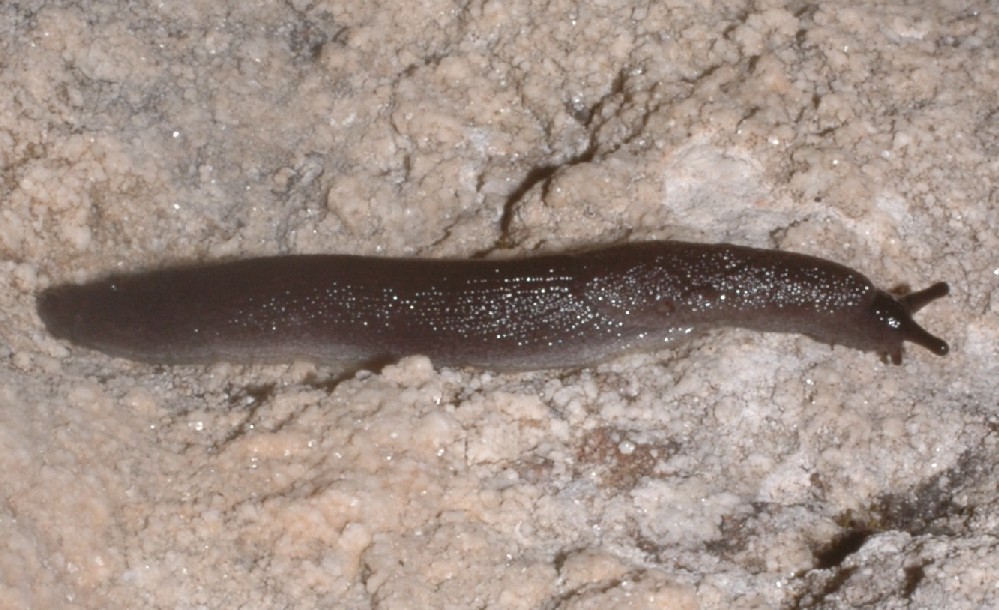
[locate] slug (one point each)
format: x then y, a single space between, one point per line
539 312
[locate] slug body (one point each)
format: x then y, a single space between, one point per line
539 312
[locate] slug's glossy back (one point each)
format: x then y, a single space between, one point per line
536 312
692 286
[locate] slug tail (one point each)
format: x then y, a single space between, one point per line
57 311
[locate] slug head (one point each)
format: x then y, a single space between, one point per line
891 323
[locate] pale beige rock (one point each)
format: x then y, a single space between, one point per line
740 470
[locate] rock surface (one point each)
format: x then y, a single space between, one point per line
742 470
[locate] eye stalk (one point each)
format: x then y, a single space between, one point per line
893 316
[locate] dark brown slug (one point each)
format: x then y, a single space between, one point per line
538 312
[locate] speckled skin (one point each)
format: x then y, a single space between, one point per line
548 311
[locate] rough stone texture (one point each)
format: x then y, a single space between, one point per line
742 470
